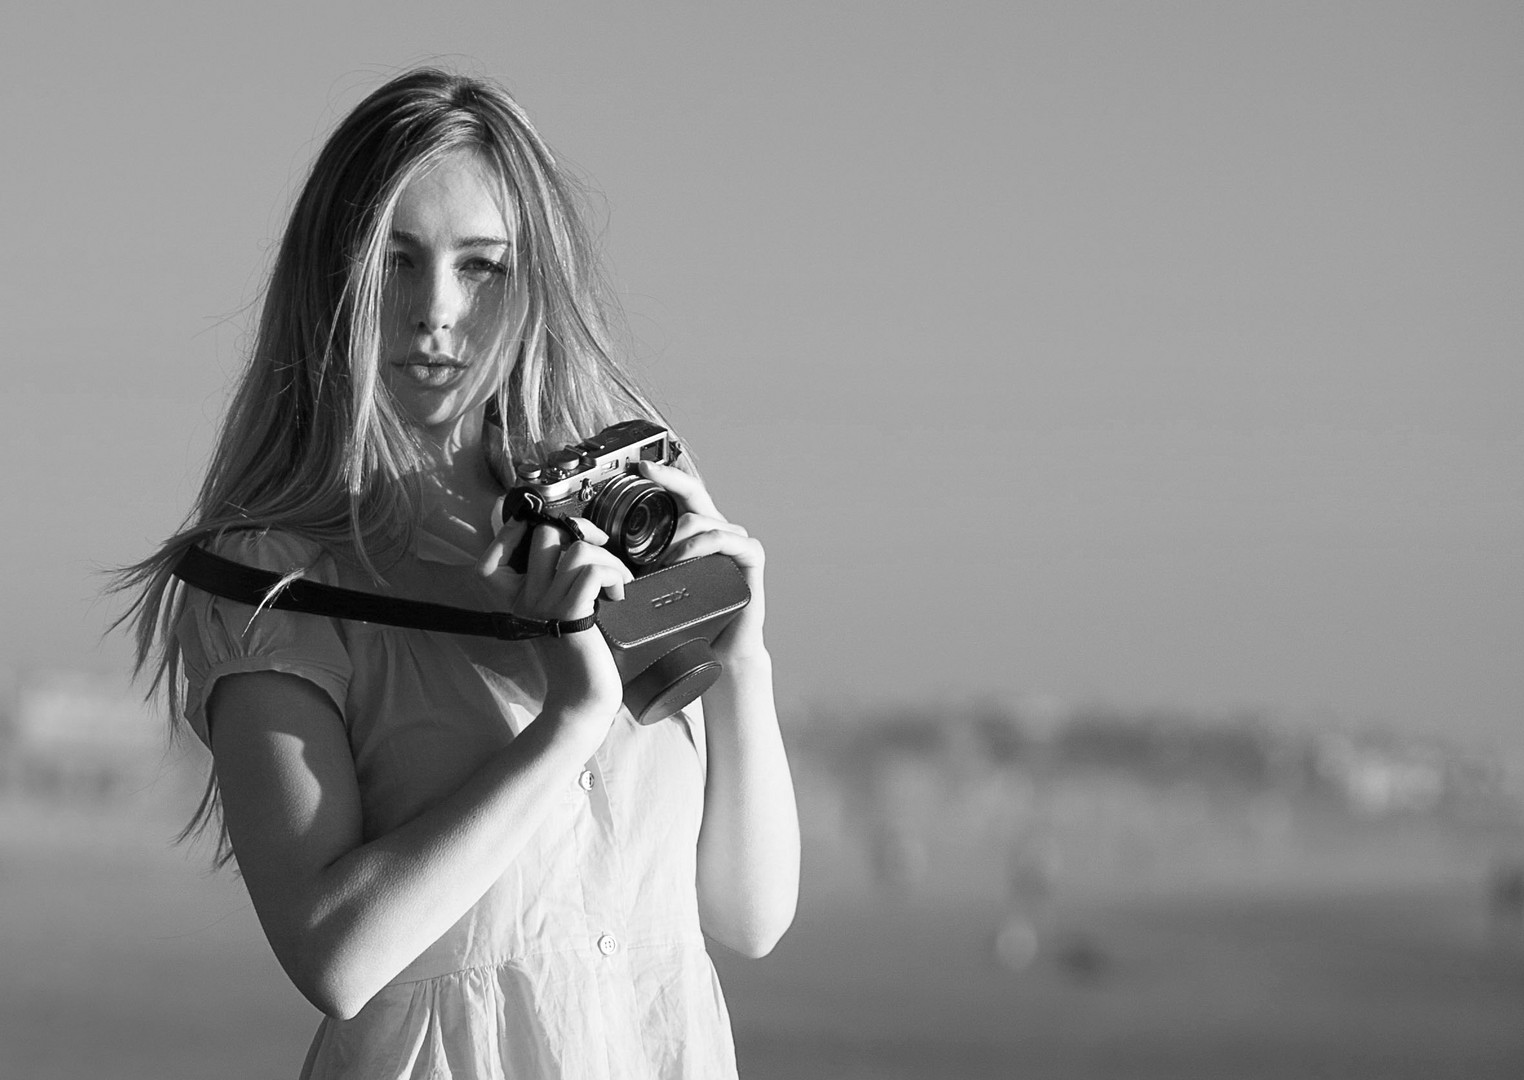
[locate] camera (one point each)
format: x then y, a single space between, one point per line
598 479
660 632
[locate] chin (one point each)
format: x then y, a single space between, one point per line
442 422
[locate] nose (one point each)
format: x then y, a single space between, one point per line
440 302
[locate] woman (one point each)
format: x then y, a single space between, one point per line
465 852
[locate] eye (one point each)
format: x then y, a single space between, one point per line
482 268
397 259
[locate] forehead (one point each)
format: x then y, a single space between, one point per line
458 196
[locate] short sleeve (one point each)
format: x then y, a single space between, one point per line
220 637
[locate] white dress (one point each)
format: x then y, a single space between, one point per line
585 959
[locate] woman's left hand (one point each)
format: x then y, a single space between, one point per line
703 530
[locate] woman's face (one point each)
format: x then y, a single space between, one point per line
449 309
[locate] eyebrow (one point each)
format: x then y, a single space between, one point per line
457 243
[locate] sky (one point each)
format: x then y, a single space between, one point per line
1159 355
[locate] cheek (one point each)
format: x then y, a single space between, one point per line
495 318
515 316
393 320
491 306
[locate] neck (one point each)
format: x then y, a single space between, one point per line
458 482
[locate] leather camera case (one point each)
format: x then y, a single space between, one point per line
660 632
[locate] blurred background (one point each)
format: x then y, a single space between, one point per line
1129 398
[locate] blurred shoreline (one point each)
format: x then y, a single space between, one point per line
987 892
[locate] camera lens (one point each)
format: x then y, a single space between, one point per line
638 521
638 515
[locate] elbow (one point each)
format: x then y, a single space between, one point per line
756 934
334 967
767 936
335 1005
333 988
757 944
749 917
333 997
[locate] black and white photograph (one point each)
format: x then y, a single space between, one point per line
794 541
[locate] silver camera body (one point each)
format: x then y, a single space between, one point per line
598 479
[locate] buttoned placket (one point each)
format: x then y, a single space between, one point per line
605 898
606 894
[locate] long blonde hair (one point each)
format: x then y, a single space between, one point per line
312 442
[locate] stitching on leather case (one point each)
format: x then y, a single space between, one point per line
674 628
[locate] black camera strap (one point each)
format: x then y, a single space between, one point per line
262 588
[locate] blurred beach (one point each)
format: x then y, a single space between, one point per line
987 893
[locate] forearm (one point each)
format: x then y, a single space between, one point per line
369 913
748 854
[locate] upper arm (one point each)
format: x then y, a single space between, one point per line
290 799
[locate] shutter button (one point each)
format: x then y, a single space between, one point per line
607 945
585 781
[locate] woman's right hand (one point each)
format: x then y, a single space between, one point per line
561 582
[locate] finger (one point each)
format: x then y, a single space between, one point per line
572 582
588 532
745 550
688 489
544 553
580 554
508 538
693 524
579 587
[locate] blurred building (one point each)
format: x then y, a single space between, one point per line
77 735
978 802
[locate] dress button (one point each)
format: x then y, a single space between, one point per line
607 944
585 781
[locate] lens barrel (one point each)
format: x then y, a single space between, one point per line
639 516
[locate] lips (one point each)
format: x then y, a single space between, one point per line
431 370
